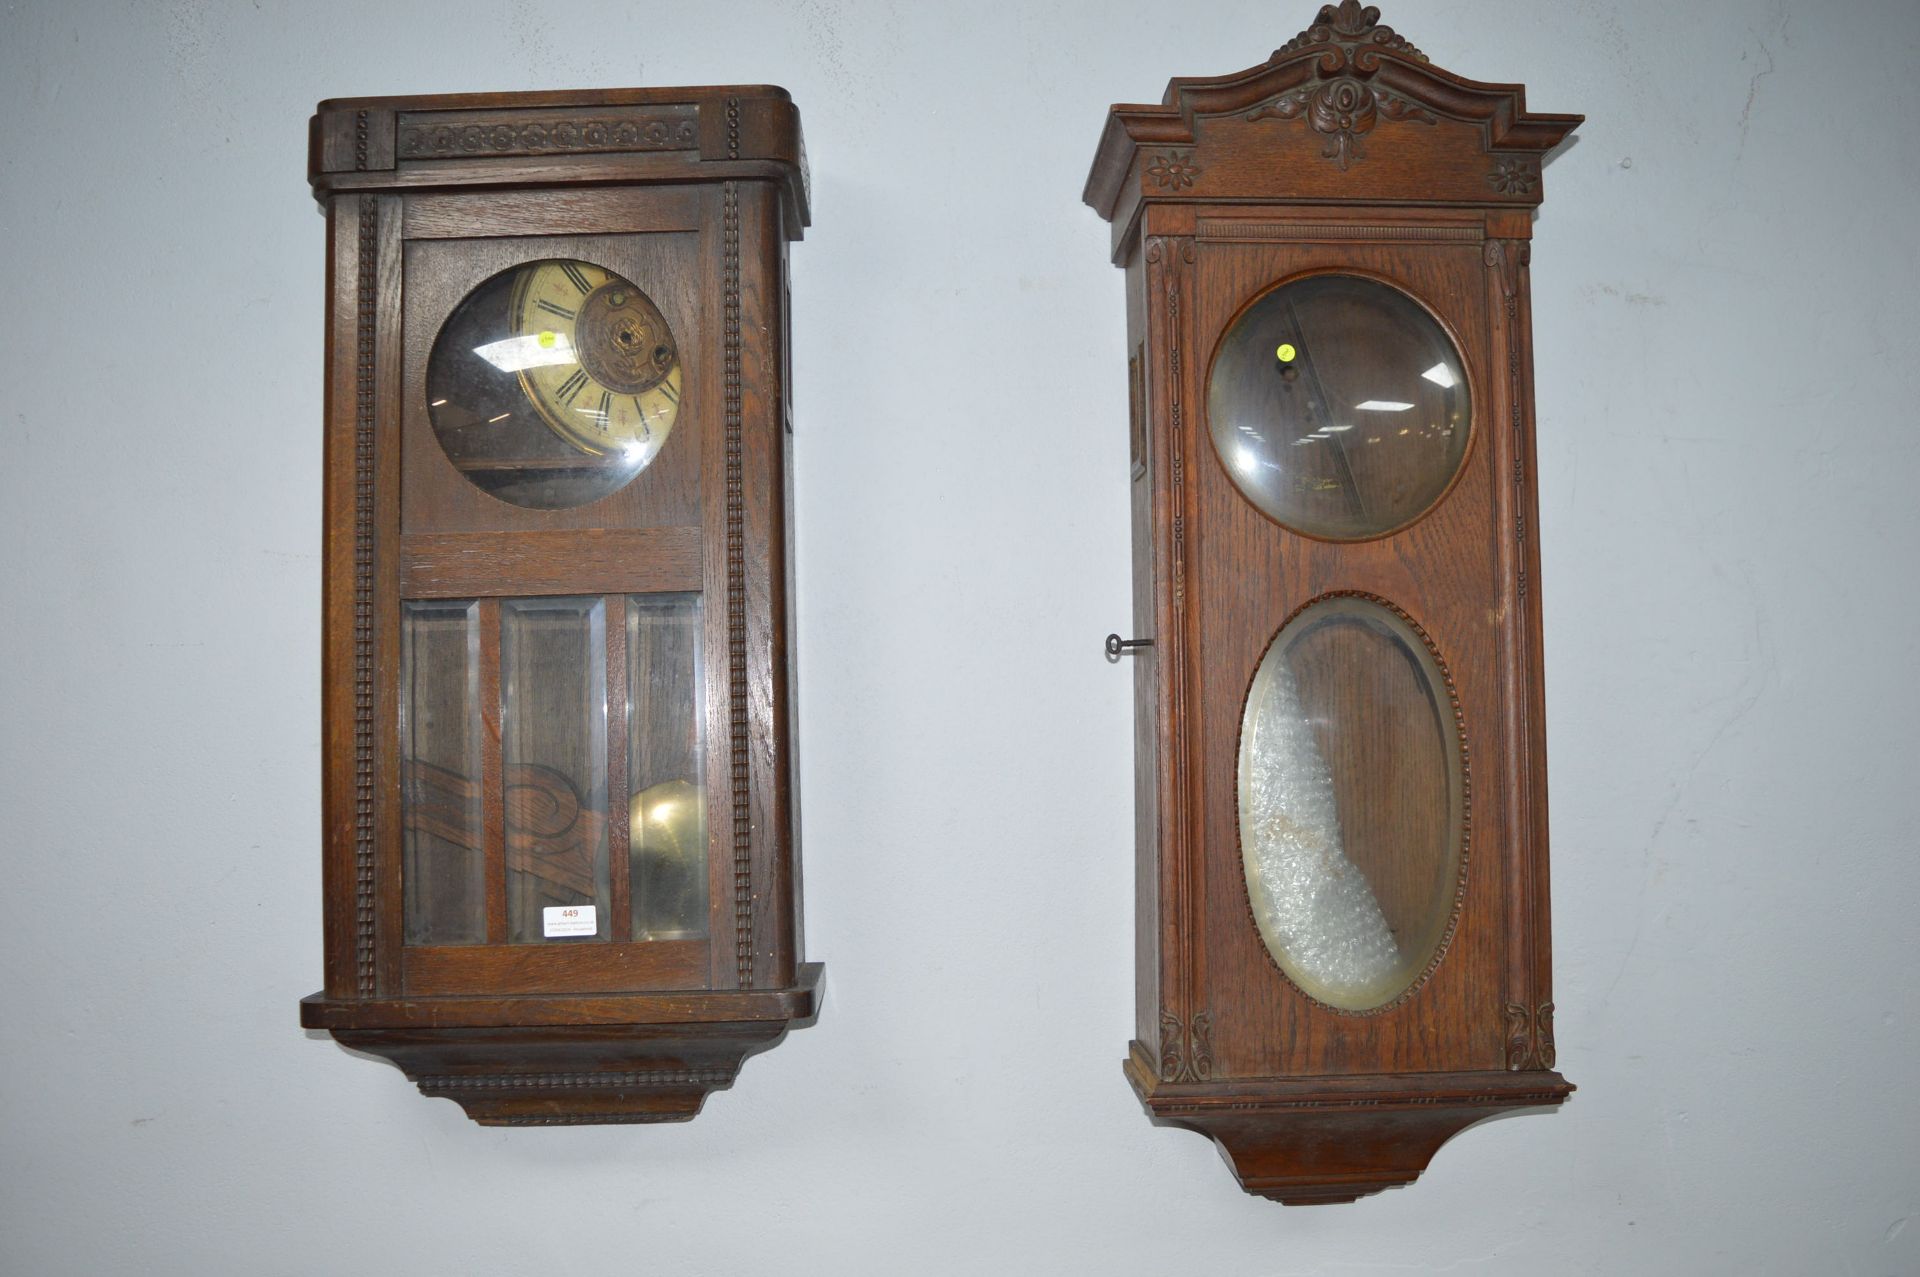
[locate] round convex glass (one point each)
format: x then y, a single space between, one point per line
553 384
1339 407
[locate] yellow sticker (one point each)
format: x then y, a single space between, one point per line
547 339
1286 352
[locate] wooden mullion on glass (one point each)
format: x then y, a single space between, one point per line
493 784
619 792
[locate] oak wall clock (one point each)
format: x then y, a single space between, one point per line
561 870
1343 953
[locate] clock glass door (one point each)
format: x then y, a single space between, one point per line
552 710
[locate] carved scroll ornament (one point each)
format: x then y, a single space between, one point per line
1341 104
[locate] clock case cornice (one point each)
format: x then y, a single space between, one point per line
1332 117
464 141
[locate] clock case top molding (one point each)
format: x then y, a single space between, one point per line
1347 112
474 141
640 1032
1346 152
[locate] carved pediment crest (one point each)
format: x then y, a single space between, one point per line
1353 26
1337 80
1341 103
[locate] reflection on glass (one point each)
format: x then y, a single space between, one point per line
1351 803
666 762
553 384
1339 407
443 869
553 739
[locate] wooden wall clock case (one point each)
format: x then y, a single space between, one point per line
561 871
1299 239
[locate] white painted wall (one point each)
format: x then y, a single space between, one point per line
1727 333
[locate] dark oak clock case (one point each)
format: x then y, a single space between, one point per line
1347 156
579 702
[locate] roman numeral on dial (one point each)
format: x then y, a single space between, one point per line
570 388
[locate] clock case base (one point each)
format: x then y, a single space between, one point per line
1315 1140
592 1060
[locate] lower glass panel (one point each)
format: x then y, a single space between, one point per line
553 739
1352 803
553 872
443 866
666 767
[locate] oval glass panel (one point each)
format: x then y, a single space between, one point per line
1339 407
1352 804
553 384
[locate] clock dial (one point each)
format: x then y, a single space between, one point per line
620 390
554 383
